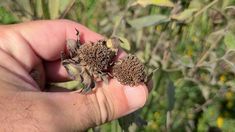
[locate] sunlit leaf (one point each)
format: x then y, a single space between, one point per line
54 7
64 4
26 5
205 90
124 43
196 4
69 85
216 36
145 21
185 15
229 40
39 9
186 61
164 3
147 51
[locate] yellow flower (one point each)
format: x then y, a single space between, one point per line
220 121
159 28
222 78
190 52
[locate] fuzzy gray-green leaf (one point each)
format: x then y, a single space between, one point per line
150 20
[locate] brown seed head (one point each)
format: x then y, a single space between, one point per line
129 71
96 56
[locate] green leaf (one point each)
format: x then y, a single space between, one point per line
229 40
7 17
185 15
171 95
145 21
64 4
26 5
147 51
39 9
54 7
124 43
126 121
187 61
45 8
163 3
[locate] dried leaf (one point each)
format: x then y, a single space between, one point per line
230 56
224 66
145 21
163 3
216 36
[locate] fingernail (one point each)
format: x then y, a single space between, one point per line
136 97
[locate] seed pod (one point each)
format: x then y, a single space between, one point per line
129 71
97 57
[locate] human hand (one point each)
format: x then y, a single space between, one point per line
36 46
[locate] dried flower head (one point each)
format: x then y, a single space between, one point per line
89 61
96 56
129 71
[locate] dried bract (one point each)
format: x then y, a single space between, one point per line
90 60
129 71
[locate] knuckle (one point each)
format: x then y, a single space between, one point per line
102 108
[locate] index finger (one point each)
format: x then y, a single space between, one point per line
47 37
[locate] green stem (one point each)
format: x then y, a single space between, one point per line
205 8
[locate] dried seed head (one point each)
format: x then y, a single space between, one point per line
129 71
97 56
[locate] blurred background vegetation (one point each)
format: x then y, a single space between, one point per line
190 42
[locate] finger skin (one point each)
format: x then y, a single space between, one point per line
107 103
52 35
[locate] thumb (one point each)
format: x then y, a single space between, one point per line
106 103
